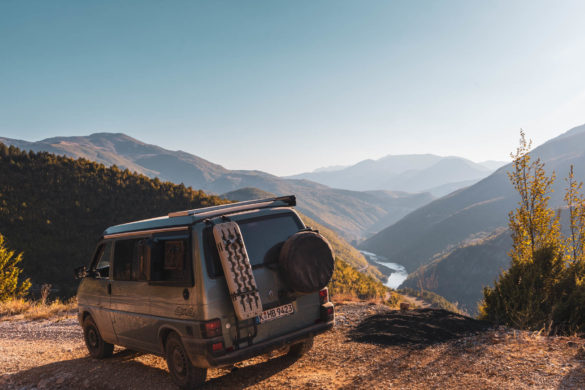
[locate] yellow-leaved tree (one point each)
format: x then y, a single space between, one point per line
10 286
525 294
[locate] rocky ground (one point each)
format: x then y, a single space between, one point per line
370 347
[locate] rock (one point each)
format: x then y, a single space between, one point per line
43 384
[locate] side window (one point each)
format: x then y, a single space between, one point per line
170 259
130 260
101 262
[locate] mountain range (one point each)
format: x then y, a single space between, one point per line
411 173
354 214
444 243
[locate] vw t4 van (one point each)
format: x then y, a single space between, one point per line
208 287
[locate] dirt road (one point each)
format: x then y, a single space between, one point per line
370 347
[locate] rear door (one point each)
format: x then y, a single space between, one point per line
264 237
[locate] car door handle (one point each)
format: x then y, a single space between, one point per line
109 289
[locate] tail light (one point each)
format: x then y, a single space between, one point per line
324 296
211 329
327 312
217 347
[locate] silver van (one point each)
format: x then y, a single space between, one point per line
186 287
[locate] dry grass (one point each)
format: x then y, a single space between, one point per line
344 298
35 310
391 301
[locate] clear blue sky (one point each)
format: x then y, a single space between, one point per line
289 86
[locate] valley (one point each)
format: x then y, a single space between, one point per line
453 245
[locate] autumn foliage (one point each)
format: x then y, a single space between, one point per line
544 288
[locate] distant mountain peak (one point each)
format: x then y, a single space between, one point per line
412 173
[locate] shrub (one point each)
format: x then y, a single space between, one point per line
10 286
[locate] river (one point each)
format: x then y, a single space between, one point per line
398 274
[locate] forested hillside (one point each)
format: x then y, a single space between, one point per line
54 208
461 274
353 214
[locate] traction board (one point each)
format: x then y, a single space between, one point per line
237 270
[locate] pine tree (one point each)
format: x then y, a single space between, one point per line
9 274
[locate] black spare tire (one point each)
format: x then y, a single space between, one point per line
306 262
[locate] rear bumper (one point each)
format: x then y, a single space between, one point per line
202 357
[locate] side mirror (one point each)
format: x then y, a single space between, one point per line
80 272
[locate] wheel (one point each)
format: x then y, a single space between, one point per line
306 262
184 374
298 350
96 346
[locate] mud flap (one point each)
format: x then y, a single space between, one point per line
237 270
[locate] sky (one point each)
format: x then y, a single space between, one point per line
290 86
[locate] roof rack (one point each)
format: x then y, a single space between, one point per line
289 200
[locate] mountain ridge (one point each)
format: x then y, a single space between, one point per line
479 209
353 214
410 172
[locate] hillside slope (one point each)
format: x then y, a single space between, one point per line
475 211
343 251
54 209
460 275
354 214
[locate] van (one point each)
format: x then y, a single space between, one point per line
208 287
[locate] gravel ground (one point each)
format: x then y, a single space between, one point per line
370 347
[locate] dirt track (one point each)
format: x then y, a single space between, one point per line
370 347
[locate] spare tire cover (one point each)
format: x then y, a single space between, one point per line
306 261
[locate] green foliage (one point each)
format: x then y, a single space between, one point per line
525 296
54 209
347 280
10 287
545 285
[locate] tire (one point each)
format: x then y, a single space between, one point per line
306 262
96 346
183 373
298 350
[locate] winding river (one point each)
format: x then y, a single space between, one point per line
398 274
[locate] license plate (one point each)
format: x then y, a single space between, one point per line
275 313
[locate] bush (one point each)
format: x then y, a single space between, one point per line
347 280
10 287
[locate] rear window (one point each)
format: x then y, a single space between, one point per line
263 236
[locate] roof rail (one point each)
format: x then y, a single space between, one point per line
289 200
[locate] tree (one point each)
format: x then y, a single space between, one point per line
533 224
9 274
525 296
576 206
